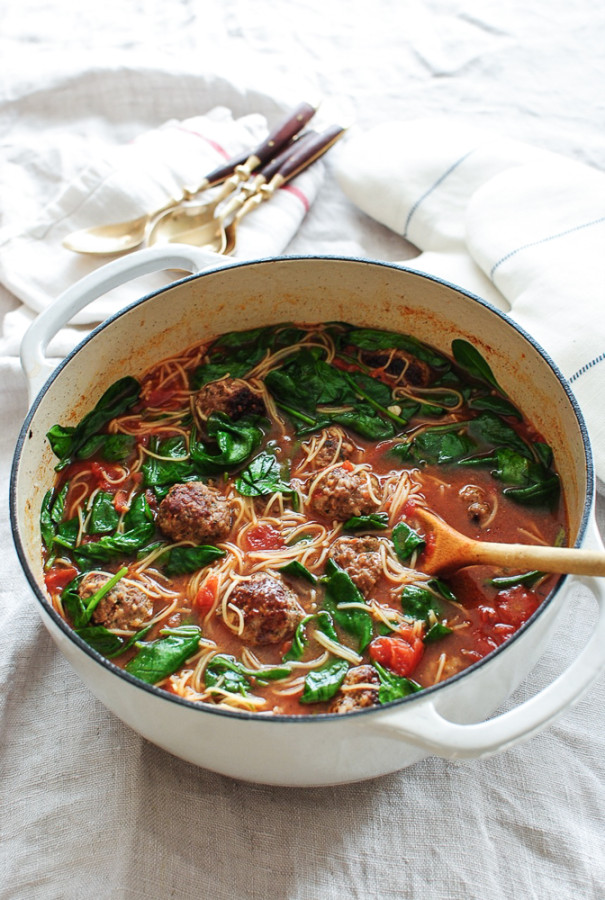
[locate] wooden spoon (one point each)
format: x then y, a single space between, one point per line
452 551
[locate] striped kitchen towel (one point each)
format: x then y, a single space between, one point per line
522 227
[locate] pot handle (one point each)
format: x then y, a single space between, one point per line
425 727
34 363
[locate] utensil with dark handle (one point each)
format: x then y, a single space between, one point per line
452 550
120 237
279 172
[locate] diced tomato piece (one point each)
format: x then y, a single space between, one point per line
206 594
264 537
396 653
56 579
516 605
347 465
120 501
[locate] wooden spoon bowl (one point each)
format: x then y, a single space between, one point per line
452 550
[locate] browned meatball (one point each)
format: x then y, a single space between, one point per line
340 494
231 396
360 558
350 700
335 448
415 372
194 512
271 609
478 509
125 606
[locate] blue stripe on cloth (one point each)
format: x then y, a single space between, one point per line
544 240
432 188
589 365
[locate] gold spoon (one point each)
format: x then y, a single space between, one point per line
123 236
214 235
452 551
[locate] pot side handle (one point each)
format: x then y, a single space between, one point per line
34 363
425 727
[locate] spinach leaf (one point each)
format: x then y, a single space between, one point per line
340 588
106 642
174 466
321 684
158 659
507 581
181 560
299 641
365 422
297 570
51 514
224 672
492 431
375 339
262 476
469 359
406 541
139 513
111 447
371 522
235 442
437 445
495 404
66 441
437 631
419 602
103 517
108 546
394 687
67 532
534 483
228 673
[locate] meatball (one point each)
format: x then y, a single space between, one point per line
194 512
360 558
479 510
340 494
125 606
415 372
270 609
335 448
350 700
231 396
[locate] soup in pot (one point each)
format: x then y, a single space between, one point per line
238 525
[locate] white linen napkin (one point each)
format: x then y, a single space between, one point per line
117 183
522 227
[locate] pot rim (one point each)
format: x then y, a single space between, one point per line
303 718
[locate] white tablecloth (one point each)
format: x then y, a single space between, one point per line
89 809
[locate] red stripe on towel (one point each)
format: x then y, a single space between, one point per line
297 193
208 140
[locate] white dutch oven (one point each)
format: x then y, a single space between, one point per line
447 720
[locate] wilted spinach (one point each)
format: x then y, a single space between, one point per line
340 588
67 441
158 659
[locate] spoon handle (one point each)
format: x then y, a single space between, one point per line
279 136
560 560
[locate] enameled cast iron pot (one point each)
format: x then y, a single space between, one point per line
447 720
